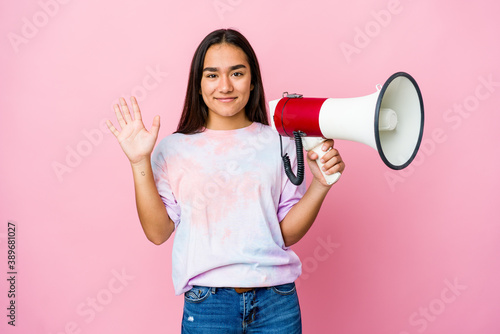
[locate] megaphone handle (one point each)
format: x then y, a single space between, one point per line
332 178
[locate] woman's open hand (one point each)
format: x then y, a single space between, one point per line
135 140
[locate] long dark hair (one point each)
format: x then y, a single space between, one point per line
195 112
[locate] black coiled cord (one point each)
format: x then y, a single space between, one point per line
296 180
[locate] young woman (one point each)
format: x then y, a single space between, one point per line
218 181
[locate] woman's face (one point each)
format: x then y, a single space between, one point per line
226 86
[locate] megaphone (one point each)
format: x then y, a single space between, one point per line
391 120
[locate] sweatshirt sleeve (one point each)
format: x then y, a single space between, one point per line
160 172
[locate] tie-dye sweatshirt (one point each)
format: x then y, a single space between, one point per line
227 192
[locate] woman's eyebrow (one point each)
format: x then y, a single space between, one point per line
215 69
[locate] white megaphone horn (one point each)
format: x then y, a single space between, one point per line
390 120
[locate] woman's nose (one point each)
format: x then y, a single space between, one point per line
225 85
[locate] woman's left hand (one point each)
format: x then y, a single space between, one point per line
332 160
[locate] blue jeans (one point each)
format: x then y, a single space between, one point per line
266 310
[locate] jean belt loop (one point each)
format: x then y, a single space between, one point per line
213 290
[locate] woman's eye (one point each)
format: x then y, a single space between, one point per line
211 76
237 74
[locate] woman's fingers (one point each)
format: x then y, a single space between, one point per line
119 116
125 111
135 107
333 162
112 128
155 128
122 111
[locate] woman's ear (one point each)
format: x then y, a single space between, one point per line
251 87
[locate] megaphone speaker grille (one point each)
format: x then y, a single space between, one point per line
398 147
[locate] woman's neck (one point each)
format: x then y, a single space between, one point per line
217 122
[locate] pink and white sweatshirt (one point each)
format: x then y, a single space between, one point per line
227 192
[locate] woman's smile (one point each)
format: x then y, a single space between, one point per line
225 99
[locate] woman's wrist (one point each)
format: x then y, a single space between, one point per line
320 186
142 163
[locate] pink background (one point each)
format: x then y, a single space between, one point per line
407 252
